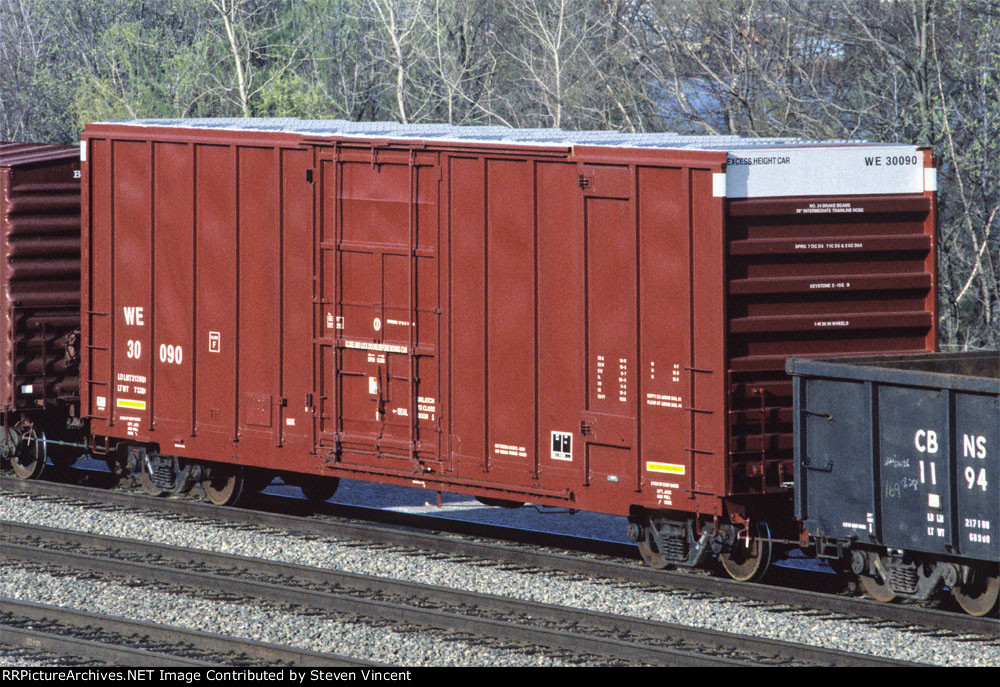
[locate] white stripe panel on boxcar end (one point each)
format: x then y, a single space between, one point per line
834 171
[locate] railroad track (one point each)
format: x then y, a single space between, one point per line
591 636
121 641
456 539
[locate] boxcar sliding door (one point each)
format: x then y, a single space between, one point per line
379 306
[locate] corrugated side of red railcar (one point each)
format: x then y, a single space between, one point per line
594 321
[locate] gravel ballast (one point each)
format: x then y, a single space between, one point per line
383 643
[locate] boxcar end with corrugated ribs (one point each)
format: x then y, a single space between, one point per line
39 305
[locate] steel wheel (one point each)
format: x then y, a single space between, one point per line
10 442
979 595
320 489
877 588
745 561
114 466
28 460
225 487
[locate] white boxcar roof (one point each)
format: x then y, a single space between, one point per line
756 167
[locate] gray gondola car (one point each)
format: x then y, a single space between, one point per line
897 470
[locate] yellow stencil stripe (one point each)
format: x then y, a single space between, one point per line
665 467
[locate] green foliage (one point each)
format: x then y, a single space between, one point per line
288 95
130 74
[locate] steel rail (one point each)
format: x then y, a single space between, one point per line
642 635
218 646
339 604
425 538
53 643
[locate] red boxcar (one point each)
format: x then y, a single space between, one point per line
39 295
585 319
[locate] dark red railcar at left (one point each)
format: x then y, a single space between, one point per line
39 303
